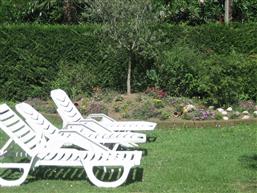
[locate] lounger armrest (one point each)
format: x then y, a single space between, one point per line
69 131
104 117
83 122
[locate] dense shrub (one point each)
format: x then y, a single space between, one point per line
224 78
179 70
219 79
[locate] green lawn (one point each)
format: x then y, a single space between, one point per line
180 160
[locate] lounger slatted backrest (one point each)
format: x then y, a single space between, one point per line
67 109
18 130
40 123
36 120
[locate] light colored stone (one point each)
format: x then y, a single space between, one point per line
211 107
246 117
225 118
255 113
245 113
220 110
224 113
237 113
188 108
229 109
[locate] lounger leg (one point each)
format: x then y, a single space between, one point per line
3 149
91 176
24 166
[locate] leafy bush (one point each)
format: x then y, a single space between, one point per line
218 116
77 11
164 115
147 110
179 71
11 11
221 80
155 92
218 79
158 103
96 107
193 12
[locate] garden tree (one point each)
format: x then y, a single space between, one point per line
130 25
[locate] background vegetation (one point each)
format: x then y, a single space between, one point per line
190 12
214 62
200 57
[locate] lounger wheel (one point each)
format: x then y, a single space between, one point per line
113 184
24 167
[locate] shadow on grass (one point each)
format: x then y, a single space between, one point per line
151 139
143 150
73 174
249 161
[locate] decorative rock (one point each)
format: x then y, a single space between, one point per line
225 118
245 112
229 109
224 113
246 117
220 110
188 108
211 107
237 113
255 113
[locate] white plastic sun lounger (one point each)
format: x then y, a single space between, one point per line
46 153
70 114
38 121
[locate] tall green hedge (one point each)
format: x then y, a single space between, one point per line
37 58
33 56
215 38
215 62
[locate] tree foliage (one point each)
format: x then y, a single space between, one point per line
130 25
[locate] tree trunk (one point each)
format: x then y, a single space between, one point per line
129 77
228 10
68 11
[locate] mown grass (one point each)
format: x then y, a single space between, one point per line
180 160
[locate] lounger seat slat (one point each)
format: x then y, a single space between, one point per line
4 109
32 144
17 126
28 137
22 131
6 115
10 122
